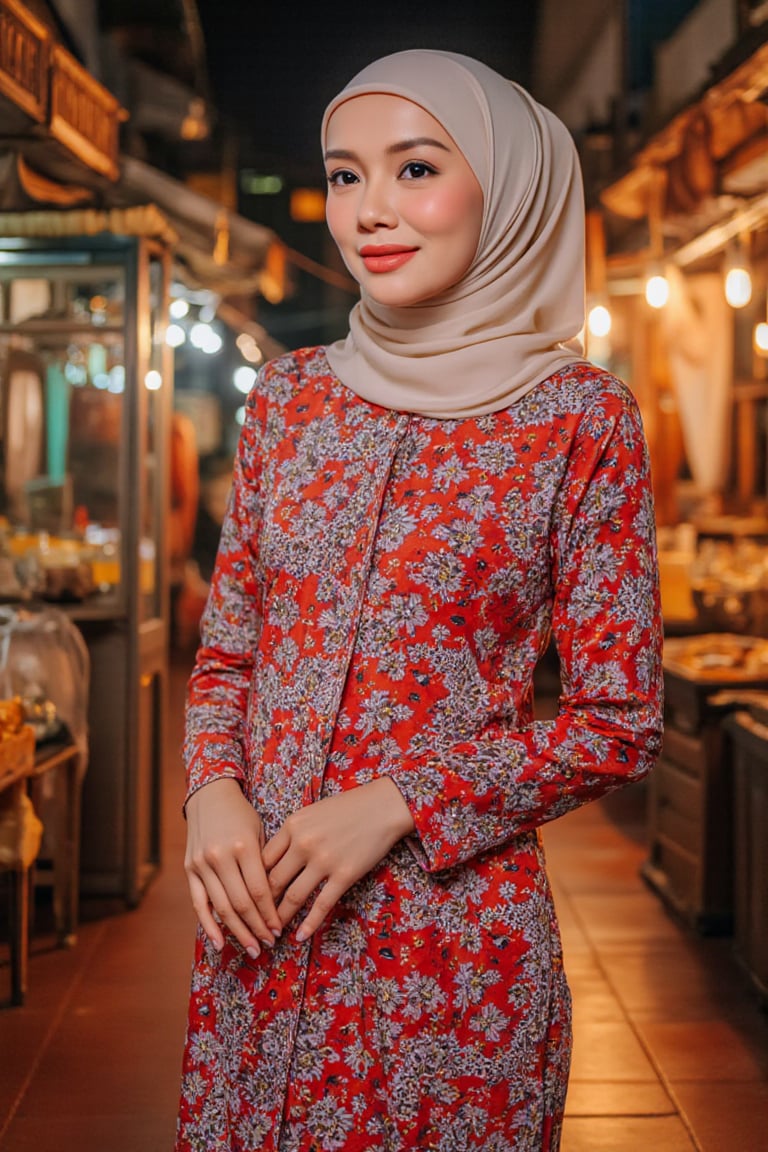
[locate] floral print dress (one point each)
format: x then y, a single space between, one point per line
385 586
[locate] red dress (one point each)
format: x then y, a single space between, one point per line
385 586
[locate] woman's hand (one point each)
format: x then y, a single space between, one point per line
329 845
225 871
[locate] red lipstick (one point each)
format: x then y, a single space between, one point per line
386 257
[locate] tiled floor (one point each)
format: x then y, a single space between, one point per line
670 1052
670 1045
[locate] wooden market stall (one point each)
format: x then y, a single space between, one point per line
678 255
689 218
90 242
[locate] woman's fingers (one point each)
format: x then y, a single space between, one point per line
204 912
233 885
309 882
324 903
227 878
224 898
297 893
325 847
258 889
275 848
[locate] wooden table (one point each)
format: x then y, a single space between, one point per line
61 758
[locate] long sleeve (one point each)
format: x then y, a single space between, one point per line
606 622
214 743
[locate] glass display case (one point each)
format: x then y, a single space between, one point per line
85 403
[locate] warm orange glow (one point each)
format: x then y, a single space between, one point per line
272 280
307 205
738 287
195 125
657 290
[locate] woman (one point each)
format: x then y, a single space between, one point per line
416 510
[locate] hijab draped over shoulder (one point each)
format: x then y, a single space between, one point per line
515 316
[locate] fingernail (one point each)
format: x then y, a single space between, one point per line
277 933
254 952
302 935
218 944
267 942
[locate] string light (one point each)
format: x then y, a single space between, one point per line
657 288
738 287
760 336
599 321
656 284
244 378
249 349
738 279
179 308
204 337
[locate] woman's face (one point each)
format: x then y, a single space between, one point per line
404 207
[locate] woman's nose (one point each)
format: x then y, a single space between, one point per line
376 209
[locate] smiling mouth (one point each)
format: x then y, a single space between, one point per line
385 257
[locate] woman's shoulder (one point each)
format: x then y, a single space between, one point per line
579 390
295 369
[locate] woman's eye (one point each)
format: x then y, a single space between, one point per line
342 177
416 169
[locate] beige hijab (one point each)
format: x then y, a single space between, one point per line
514 317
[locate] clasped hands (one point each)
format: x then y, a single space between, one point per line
254 887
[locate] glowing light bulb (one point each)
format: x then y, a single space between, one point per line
738 287
760 337
657 290
204 337
599 320
738 280
249 349
179 308
244 378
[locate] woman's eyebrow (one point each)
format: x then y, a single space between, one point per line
393 149
416 142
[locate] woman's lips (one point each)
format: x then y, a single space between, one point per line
385 258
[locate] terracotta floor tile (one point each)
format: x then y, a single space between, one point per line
609 1052
606 868
51 968
584 965
572 934
629 1098
593 999
679 980
726 1116
108 1065
626 1134
26 1030
131 977
20 1039
707 1050
623 920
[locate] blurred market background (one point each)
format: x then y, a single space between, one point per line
161 236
